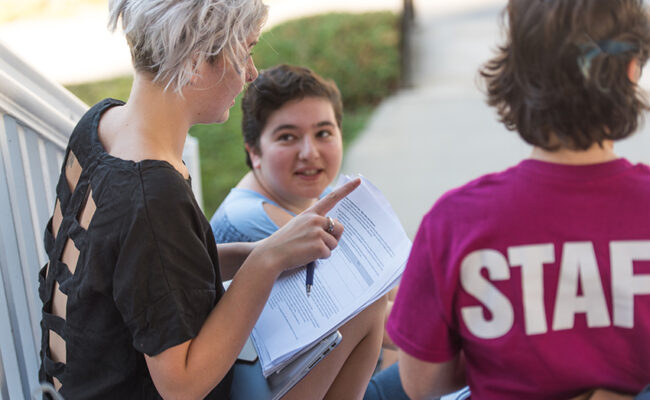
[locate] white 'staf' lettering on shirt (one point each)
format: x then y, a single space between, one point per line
531 259
625 285
578 270
474 284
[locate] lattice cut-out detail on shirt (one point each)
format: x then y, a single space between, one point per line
70 255
87 211
57 347
57 384
72 171
57 218
59 301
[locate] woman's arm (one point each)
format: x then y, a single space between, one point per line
192 369
387 342
602 394
425 380
232 256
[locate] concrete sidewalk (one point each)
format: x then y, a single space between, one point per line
440 134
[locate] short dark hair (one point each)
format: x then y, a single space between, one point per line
561 80
276 86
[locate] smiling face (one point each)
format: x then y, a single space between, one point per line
299 152
217 84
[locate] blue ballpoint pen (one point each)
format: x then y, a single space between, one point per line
309 281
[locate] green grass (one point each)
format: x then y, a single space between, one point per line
92 92
358 51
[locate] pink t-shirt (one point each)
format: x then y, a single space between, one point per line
541 275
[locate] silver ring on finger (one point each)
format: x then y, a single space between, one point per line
330 225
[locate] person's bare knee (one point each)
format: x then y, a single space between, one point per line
352 379
345 372
372 318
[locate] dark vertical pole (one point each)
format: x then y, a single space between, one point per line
408 19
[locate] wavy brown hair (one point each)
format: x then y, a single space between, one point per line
561 79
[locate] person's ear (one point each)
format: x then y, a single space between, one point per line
194 68
254 155
634 70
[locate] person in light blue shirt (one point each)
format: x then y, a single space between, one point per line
292 133
241 217
291 125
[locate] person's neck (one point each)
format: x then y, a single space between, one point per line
593 155
160 117
153 124
251 182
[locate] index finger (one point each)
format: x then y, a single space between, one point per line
326 203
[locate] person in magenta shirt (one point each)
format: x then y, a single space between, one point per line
534 282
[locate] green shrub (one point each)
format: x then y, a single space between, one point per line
92 92
358 51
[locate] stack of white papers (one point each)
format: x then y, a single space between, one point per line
366 264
